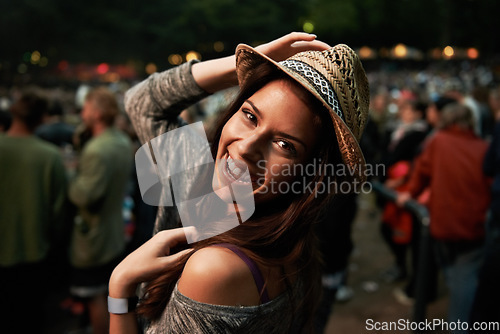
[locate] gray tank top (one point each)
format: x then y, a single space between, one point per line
185 315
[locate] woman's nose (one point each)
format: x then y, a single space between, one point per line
251 148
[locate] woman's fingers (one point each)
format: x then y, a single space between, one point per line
303 42
290 44
314 45
167 261
171 238
297 36
152 258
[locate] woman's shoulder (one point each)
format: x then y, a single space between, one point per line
216 275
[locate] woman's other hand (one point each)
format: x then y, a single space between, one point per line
145 263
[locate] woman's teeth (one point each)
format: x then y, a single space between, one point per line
235 171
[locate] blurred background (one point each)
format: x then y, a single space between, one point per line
51 40
415 52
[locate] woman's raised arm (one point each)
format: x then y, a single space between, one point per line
218 74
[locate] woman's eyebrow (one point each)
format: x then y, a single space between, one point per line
254 107
282 134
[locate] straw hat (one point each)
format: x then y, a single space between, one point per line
337 78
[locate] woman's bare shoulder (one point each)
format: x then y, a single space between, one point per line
216 275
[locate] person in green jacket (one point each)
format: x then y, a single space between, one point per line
32 201
98 191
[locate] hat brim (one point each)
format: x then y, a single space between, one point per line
247 59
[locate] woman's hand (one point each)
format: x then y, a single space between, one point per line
217 74
145 263
288 45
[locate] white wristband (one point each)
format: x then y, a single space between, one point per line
122 305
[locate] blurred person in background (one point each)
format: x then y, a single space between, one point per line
379 111
481 95
98 190
5 120
406 295
451 165
410 130
54 129
454 88
433 115
32 201
494 102
404 143
486 307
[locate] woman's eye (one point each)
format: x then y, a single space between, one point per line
286 146
250 116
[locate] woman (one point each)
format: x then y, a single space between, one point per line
262 275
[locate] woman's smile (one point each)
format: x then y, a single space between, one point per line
235 171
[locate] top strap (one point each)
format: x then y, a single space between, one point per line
257 275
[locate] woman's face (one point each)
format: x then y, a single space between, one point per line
271 132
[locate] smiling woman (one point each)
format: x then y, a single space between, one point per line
300 101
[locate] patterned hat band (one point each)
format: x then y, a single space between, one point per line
318 81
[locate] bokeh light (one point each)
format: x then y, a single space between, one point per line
472 53
192 55
151 68
35 57
448 52
400 51
175 59
308 27
102 68
366 53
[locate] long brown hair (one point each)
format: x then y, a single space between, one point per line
281 234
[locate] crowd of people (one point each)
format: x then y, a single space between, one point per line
439 150
70 200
